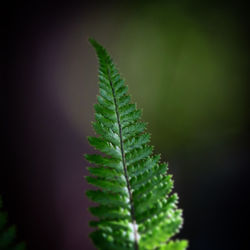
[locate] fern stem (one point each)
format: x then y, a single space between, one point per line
136 245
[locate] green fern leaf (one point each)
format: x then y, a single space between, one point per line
8 234
136 209
175 245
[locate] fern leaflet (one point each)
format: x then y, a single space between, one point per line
8 234
136 209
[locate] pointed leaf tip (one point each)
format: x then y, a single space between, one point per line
91 40
94 43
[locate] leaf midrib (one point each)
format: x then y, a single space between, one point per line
136 246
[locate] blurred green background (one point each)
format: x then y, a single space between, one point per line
187 72
186 65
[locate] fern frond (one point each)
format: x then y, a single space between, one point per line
8 234
136 209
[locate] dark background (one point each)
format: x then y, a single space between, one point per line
186 64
